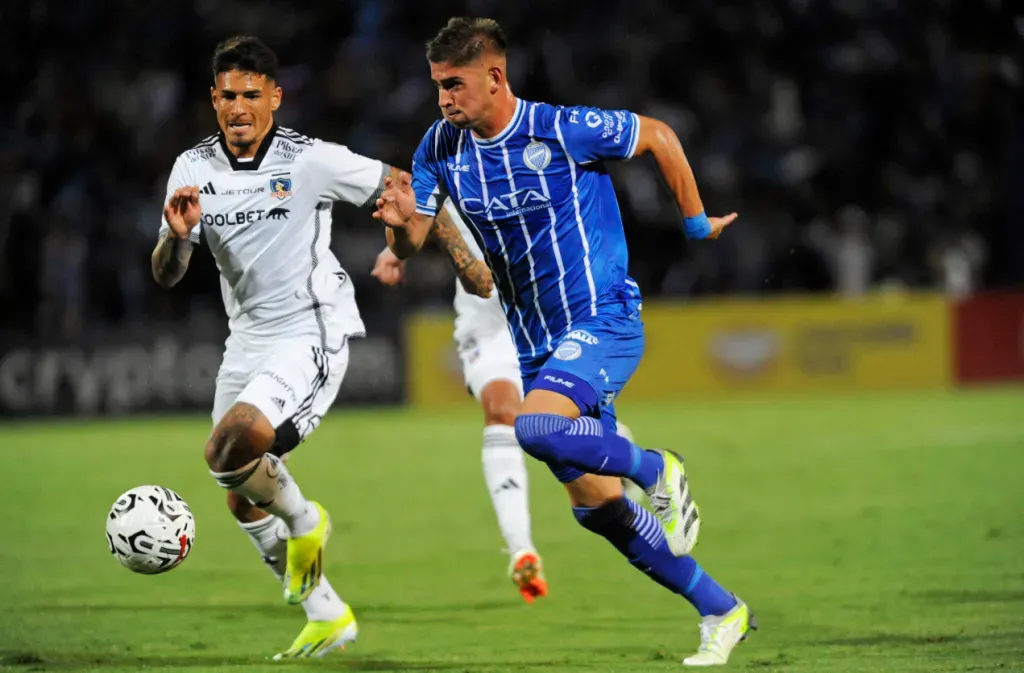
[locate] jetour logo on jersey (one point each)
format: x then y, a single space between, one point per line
512 204
244 191
281 185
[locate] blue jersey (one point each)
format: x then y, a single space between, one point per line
542 207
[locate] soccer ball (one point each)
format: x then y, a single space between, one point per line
150 529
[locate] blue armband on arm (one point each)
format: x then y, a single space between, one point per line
697 227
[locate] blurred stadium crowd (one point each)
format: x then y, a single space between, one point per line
863 142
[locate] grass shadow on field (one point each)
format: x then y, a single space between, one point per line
34 661
972 596
396 665
382 612
917 640
430 613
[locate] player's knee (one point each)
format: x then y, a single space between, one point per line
501 411
242 436
224 448
540 434
500 401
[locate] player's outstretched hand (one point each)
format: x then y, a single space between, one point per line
477 279
183 211
389 270
720 223
397 203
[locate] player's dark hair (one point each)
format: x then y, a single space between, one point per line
246 54
463 39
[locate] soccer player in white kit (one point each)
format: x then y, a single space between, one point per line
490 366
261 194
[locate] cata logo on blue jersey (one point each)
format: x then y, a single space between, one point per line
506 205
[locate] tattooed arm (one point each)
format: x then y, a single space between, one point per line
170 260
473 273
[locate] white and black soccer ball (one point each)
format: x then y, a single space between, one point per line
150 529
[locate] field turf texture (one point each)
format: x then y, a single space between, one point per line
879 533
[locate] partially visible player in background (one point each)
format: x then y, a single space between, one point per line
490 366
261 195
530 179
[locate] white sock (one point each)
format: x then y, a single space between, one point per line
505 475
270 536
268 484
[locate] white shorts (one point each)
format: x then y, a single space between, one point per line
293 383
485 345
487 358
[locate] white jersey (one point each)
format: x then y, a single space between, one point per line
267 222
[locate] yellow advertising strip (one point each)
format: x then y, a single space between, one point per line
794 345
803 345
433 366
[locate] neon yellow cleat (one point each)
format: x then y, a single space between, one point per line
719 636
319 638
305 559
672 502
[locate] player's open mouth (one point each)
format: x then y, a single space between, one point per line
239 126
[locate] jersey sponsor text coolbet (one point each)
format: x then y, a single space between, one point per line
267 222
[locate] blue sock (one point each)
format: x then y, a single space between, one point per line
585 445
706 594
638 536
646 466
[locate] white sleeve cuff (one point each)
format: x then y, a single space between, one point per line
634 137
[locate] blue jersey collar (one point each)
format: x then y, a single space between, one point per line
507 131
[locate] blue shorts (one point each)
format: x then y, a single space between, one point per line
593 361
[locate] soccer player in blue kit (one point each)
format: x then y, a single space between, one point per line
529 180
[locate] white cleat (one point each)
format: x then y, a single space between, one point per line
720 634
671 501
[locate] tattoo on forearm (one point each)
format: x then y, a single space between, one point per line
447 237
476 276
170 260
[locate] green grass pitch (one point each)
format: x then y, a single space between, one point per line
868 534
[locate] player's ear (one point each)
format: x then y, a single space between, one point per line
497 79
213 96
275 99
